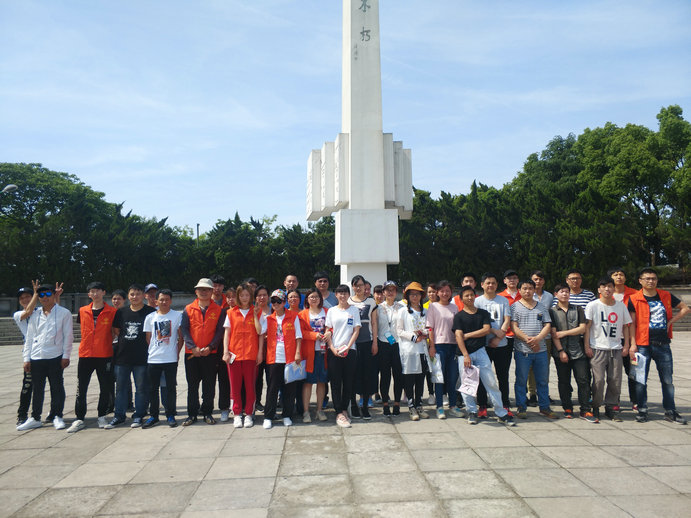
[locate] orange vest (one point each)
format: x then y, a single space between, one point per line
507 296
459 303
627 295
203 327
244 340
308 339
96 342
640 305
289 340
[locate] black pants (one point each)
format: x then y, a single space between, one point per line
501 357
24 398
104 373
631 381
366 371
390 363
262 372
581 371
51 369
415 384
223 382
170 371
200 369
276 383
341 376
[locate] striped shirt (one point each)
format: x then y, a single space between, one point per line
580 299
531 322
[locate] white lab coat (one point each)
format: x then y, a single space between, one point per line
409 350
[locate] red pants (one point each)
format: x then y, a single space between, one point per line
242 372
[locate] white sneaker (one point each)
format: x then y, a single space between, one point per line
306 418
102 421
431 400
321 415
249 422
76 425
225 414
29 424
58 423
268 425
287 421
237 421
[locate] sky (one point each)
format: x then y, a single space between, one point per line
197 110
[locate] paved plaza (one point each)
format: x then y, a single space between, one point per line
386 467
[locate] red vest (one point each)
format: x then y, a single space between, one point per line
640 305
507 296
308 339
203 327
289 340
244 340
459 303
97 341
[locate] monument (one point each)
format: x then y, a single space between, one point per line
364 177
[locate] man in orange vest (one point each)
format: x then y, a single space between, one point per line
202 329
651 310
95 354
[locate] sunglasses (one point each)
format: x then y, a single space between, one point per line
276 301
45 294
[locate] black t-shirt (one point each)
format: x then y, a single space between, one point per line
657 331
95 313
131 348
469 322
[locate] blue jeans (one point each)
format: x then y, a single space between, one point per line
449 367
662 354
141 394
481 360
540 364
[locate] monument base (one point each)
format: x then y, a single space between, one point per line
372 272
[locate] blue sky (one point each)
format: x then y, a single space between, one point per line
196 110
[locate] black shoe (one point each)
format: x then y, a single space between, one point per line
150 422
673 417
642 417
612 415
532 400
397 410
365 413
387 410
355 411
189 421
259 407
209 419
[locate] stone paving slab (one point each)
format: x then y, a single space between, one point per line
382 468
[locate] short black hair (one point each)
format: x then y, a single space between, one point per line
136 287
604 281
615 269
218 279
120 292
489 275
561 286
378 289
464 289
526 281
574 270
321 275
645 270
96 285
468 274
164 291
538 273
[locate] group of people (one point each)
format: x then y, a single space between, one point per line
356 340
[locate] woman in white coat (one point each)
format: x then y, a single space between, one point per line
412 334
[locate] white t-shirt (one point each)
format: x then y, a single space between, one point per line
163 347
606 330
280 341
498 309
343 322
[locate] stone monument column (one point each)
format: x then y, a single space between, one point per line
364 177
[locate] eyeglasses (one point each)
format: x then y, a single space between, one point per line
45 294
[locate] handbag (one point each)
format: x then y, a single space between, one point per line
295 371
470 380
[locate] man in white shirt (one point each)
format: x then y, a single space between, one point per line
46 353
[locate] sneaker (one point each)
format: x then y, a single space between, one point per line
642 417
22 419
225 415
58 423
102 421
387 409
209 419
287 421
397 410
189 421
589 416
547 412
76 425
616 408
440 413
482 412
29 424
267 424
151 421
136 422
508 411
634 407
342 421
612 415
568 413
113 423
249 421
306 418
507 420
458 412
431 400
532 400
673 417
237 421
321 415
259 407
171 422
472 418
521 413
378 399
365 413
413 413
421 412
355 412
